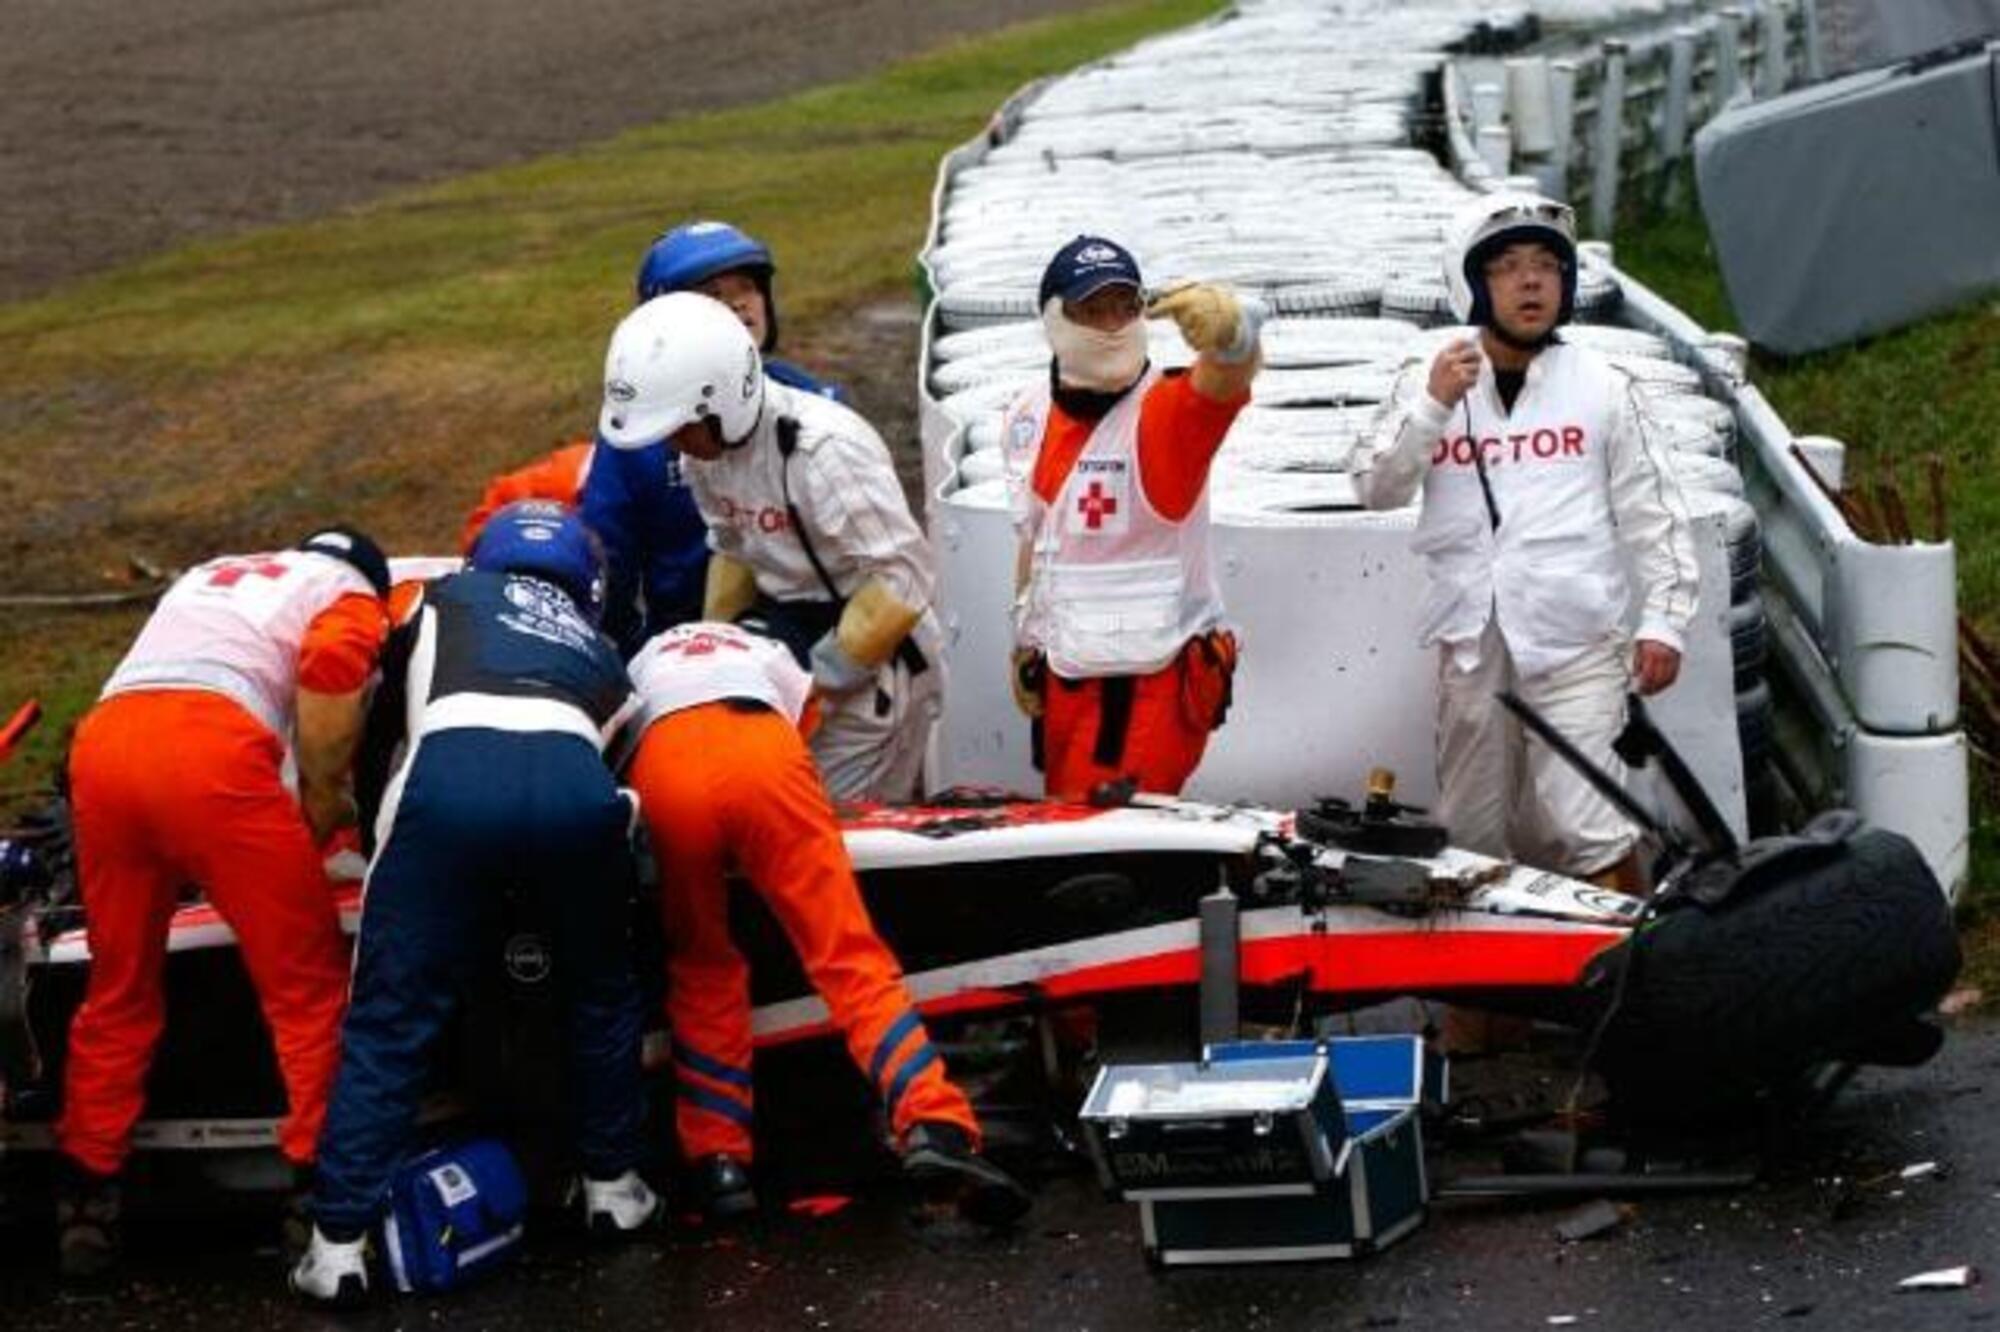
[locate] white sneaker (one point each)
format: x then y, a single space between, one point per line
332 1271
618 1206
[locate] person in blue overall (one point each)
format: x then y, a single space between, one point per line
508 693
654 542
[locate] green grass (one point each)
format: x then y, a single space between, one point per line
533 262
379 362
1929 389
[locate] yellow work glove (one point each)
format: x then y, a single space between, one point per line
730 589
1212 319
872 626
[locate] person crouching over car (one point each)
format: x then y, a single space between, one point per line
177 777
727 784
508 693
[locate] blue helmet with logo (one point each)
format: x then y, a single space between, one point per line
697 251
548 541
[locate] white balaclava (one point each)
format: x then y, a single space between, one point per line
1088 358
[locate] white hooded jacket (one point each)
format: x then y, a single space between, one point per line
1580 489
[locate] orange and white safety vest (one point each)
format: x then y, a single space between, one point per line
1114 588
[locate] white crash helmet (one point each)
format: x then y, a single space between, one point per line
674 360
1491 222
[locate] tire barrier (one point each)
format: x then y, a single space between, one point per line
1277 149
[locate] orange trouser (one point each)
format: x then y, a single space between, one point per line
179 787
1163 740
726 788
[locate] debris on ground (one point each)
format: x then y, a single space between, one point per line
1945 1278
1962 1000
1593 1219
818 1206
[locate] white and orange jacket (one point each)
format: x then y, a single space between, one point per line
704 662
238 626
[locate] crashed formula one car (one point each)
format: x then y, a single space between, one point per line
994 906
1750 969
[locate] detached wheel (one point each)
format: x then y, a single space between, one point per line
1831 964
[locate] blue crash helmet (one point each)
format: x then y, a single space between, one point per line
544 540
695 252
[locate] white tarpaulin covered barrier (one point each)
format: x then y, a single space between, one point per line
1857 206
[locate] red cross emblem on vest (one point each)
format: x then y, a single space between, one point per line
1096 505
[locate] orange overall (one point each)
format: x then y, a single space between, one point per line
176 787
558 477
723 787
1173 709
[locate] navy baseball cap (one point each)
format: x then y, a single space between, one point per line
1085 265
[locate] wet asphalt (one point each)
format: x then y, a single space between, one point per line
1819 1243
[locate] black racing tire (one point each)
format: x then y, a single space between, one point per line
1749 635
1746 551
1754 726
1598 296
1741 533
1723 1006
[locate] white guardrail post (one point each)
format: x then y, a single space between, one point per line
1866 635
1674 119
1771 49
1728 54
1604 147
1815 55
1562 110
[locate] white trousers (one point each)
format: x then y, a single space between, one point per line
1504 793
870 744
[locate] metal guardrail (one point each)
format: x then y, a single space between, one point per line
1864 636
1596 123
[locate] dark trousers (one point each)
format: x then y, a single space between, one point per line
478 812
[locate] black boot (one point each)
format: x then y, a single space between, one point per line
719 1184
940 1160
89 1211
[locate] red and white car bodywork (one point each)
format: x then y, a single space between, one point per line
993 907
